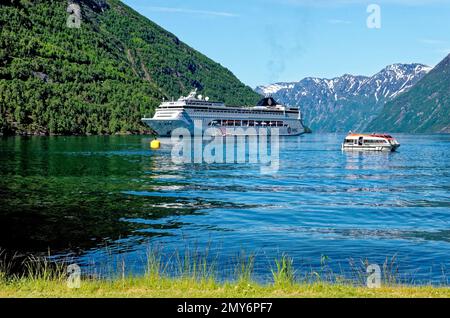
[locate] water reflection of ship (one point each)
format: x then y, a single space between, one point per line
360 160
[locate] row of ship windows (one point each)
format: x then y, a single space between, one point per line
235 111
238 112
247 123
372 141
366 141
203 104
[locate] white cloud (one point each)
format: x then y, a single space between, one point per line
326 3
432 41
443 51
191 11
338 21
438 46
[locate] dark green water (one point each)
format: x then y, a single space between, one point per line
76 195
67 193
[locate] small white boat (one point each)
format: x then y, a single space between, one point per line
373 142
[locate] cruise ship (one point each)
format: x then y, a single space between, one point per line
193 109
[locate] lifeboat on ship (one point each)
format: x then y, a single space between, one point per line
370 142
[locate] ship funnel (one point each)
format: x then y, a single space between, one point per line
267 101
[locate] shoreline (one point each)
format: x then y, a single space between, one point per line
44 134
194 276
157 287
150 133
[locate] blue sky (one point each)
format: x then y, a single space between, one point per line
267 41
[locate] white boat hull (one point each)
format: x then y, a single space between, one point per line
369 148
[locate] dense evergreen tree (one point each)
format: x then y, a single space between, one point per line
100 78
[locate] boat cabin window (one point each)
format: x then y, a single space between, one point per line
360 141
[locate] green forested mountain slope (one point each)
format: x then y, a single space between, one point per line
425 108
99 78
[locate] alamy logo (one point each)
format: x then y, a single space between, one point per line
227 145
374 277
74 18
374 18
74 279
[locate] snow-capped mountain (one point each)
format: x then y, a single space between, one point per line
273 88
425 108
348 102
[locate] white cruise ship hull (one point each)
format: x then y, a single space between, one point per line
164 128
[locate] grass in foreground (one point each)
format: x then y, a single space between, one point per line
191 288
194 278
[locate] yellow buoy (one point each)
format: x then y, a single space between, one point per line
155 144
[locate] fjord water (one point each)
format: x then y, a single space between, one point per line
96 198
